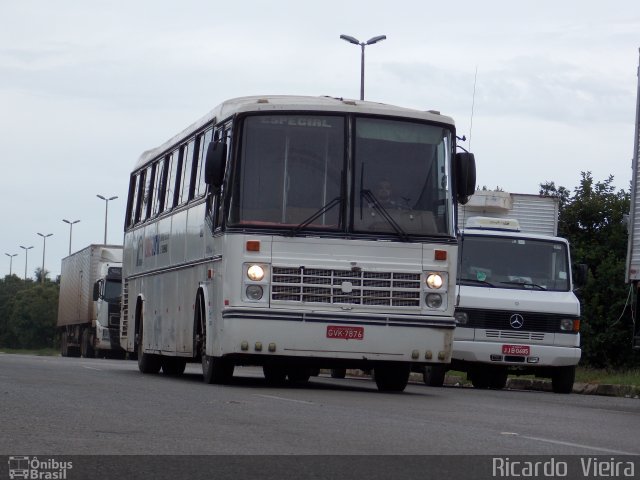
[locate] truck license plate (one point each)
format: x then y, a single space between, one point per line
345 333
522 350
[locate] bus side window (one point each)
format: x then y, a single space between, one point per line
145 200
161 185
172 181
133 201
139 195
187 164
202 145
223 136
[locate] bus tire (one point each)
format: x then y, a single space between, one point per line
338 372
433 375
479 378
298 375
274 374
173 366
147 362
562 379
392 378
216 370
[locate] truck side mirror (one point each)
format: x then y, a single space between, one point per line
96 290
581 271
465 171
214 165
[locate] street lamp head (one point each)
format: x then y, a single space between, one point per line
26 248
45 236
11 255
100 196
69 222
113 198
377 39
350 39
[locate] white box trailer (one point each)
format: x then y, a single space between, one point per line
515 309
633 245
89 301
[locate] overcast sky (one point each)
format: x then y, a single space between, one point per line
87 86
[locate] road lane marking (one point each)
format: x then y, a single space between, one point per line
273 397
91 368
569 444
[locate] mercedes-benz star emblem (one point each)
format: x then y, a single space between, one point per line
516 321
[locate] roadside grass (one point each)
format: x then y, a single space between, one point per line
45 352
583 375
602 376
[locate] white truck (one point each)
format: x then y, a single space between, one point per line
516 311
633 246
89 302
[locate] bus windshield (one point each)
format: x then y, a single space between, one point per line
508 262
291 173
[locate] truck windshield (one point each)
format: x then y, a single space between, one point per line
112 290
508 262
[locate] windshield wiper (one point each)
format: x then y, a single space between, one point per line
475 281
322 210
371 198
526 284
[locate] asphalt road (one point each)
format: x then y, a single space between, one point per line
71 406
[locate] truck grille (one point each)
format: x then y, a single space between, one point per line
498 324
329 286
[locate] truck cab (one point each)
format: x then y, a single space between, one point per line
107 292
516 311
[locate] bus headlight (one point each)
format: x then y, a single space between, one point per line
255 273
434 281
254 292
434 300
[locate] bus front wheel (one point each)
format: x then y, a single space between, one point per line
216 369
392 378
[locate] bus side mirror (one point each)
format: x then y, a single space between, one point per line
214 164
581 275
465 171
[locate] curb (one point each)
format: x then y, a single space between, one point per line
514 383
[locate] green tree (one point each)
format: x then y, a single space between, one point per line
28 312
592 220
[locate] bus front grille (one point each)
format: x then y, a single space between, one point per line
356 287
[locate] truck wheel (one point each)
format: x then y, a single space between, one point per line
86 349
433 375
562 379
498 378
479 378
392 378
64 345
338 372
173 366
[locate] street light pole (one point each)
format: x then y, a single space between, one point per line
26 256
355 41
70 230
106 210
11 262
44 248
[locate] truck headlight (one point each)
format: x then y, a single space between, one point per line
461 318
255 273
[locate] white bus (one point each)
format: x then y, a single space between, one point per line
296 233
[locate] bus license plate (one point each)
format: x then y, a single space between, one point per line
345 333
522 350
